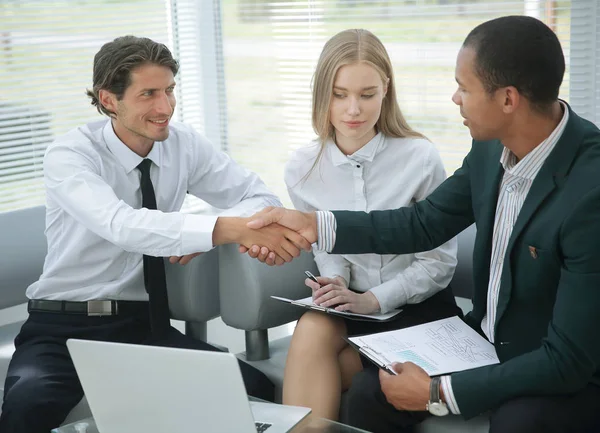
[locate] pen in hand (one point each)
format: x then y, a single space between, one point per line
311 276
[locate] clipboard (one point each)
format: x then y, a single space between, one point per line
307 304
382 363
440 347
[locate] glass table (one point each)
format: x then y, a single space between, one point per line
310 424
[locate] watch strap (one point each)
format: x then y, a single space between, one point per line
434 390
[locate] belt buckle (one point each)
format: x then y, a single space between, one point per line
100 308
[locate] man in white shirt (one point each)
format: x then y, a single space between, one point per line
530 183
114 193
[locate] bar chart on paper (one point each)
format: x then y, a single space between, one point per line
439 347
410 356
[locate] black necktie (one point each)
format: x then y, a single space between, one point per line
155 279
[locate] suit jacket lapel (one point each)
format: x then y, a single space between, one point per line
485 231
552 174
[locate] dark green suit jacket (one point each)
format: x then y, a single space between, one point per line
547 331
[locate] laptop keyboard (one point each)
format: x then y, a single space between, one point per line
262 426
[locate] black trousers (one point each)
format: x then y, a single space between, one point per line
42 386
367 408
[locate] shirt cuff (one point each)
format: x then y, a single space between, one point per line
446 384
389 295
197 233
334 271
326 226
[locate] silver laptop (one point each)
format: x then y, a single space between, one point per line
139 389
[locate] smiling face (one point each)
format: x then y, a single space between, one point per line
355 107
143 114
482 111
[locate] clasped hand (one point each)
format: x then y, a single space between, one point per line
273 235
334 293
280 243
298 230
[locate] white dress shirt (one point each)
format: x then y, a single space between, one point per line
95 228
386 173
516 183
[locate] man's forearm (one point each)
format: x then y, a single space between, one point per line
229 230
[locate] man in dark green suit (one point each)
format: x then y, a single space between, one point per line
531 184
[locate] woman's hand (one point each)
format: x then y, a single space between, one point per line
334 293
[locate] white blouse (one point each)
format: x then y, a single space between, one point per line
386 173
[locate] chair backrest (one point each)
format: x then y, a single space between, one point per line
24 250
246 286
462 282
194 288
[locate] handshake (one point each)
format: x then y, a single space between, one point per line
274 235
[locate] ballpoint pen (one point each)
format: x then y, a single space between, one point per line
311 276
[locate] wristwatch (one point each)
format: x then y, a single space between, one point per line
436 406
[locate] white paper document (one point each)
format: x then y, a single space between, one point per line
308 303
439 347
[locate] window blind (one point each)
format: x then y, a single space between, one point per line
271 49
196 38
46 58
584 59
247 86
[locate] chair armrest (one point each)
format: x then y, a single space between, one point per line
246 286
24 250
194 288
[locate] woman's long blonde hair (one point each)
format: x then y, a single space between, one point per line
346 48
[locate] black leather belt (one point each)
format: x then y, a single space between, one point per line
88 308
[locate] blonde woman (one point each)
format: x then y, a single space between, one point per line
366 157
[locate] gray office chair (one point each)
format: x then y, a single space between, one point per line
24 250
246 286
193 289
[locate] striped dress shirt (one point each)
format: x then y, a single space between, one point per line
516 183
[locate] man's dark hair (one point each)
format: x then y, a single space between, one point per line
519 51
115 61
